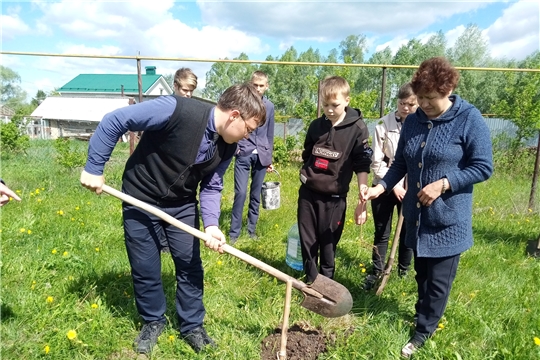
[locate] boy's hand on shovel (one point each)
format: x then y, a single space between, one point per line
215 240
92 182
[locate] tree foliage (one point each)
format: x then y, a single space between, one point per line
223 75
40 96
11 92
520 98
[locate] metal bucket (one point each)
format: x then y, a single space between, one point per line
270 194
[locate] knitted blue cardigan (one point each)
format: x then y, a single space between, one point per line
457 146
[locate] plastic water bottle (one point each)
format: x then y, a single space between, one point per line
294 251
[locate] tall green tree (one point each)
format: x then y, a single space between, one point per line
223 75
40 96
471 50
521 103
11 92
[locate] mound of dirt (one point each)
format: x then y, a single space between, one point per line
303 343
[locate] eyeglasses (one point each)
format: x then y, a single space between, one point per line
410 105
248 129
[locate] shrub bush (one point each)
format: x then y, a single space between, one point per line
68 155
12 139
286 151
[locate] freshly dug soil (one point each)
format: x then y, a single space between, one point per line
303 343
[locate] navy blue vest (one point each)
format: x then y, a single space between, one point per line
162 169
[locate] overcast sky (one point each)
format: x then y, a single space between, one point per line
219 29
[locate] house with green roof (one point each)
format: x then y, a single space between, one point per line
117 85
84 101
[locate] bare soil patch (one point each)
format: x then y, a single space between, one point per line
303 343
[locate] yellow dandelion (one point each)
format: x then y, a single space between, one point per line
473 295
82 224
94 306
403 294
34 282
76 208
537 340
37 191
31 194
530 210
72 219
172 337
29 231
42 189
220 262
97 249
65 253
46 349
60 212
50 299
441 326
54 251
70 277
88 203
527 220
361 265
18 191
71 334
276 226
363 270
39 200
22 230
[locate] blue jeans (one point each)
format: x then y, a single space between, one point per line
245 166
143 232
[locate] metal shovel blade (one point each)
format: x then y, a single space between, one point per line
336 300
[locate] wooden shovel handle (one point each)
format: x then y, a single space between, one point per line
390 263
297 284
282 355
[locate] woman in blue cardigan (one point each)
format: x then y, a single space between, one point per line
444 149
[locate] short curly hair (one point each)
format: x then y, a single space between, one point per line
435 74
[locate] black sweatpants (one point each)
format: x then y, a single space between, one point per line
434 277
320 223
383 210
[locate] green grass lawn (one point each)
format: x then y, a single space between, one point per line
64 270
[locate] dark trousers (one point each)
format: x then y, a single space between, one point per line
383 211
434 277
143 232
245 166
320 223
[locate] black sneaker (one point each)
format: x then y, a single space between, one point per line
232 240
402 273
253 236
148 337
371 280
198 339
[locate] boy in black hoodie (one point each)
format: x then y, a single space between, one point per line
335 147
